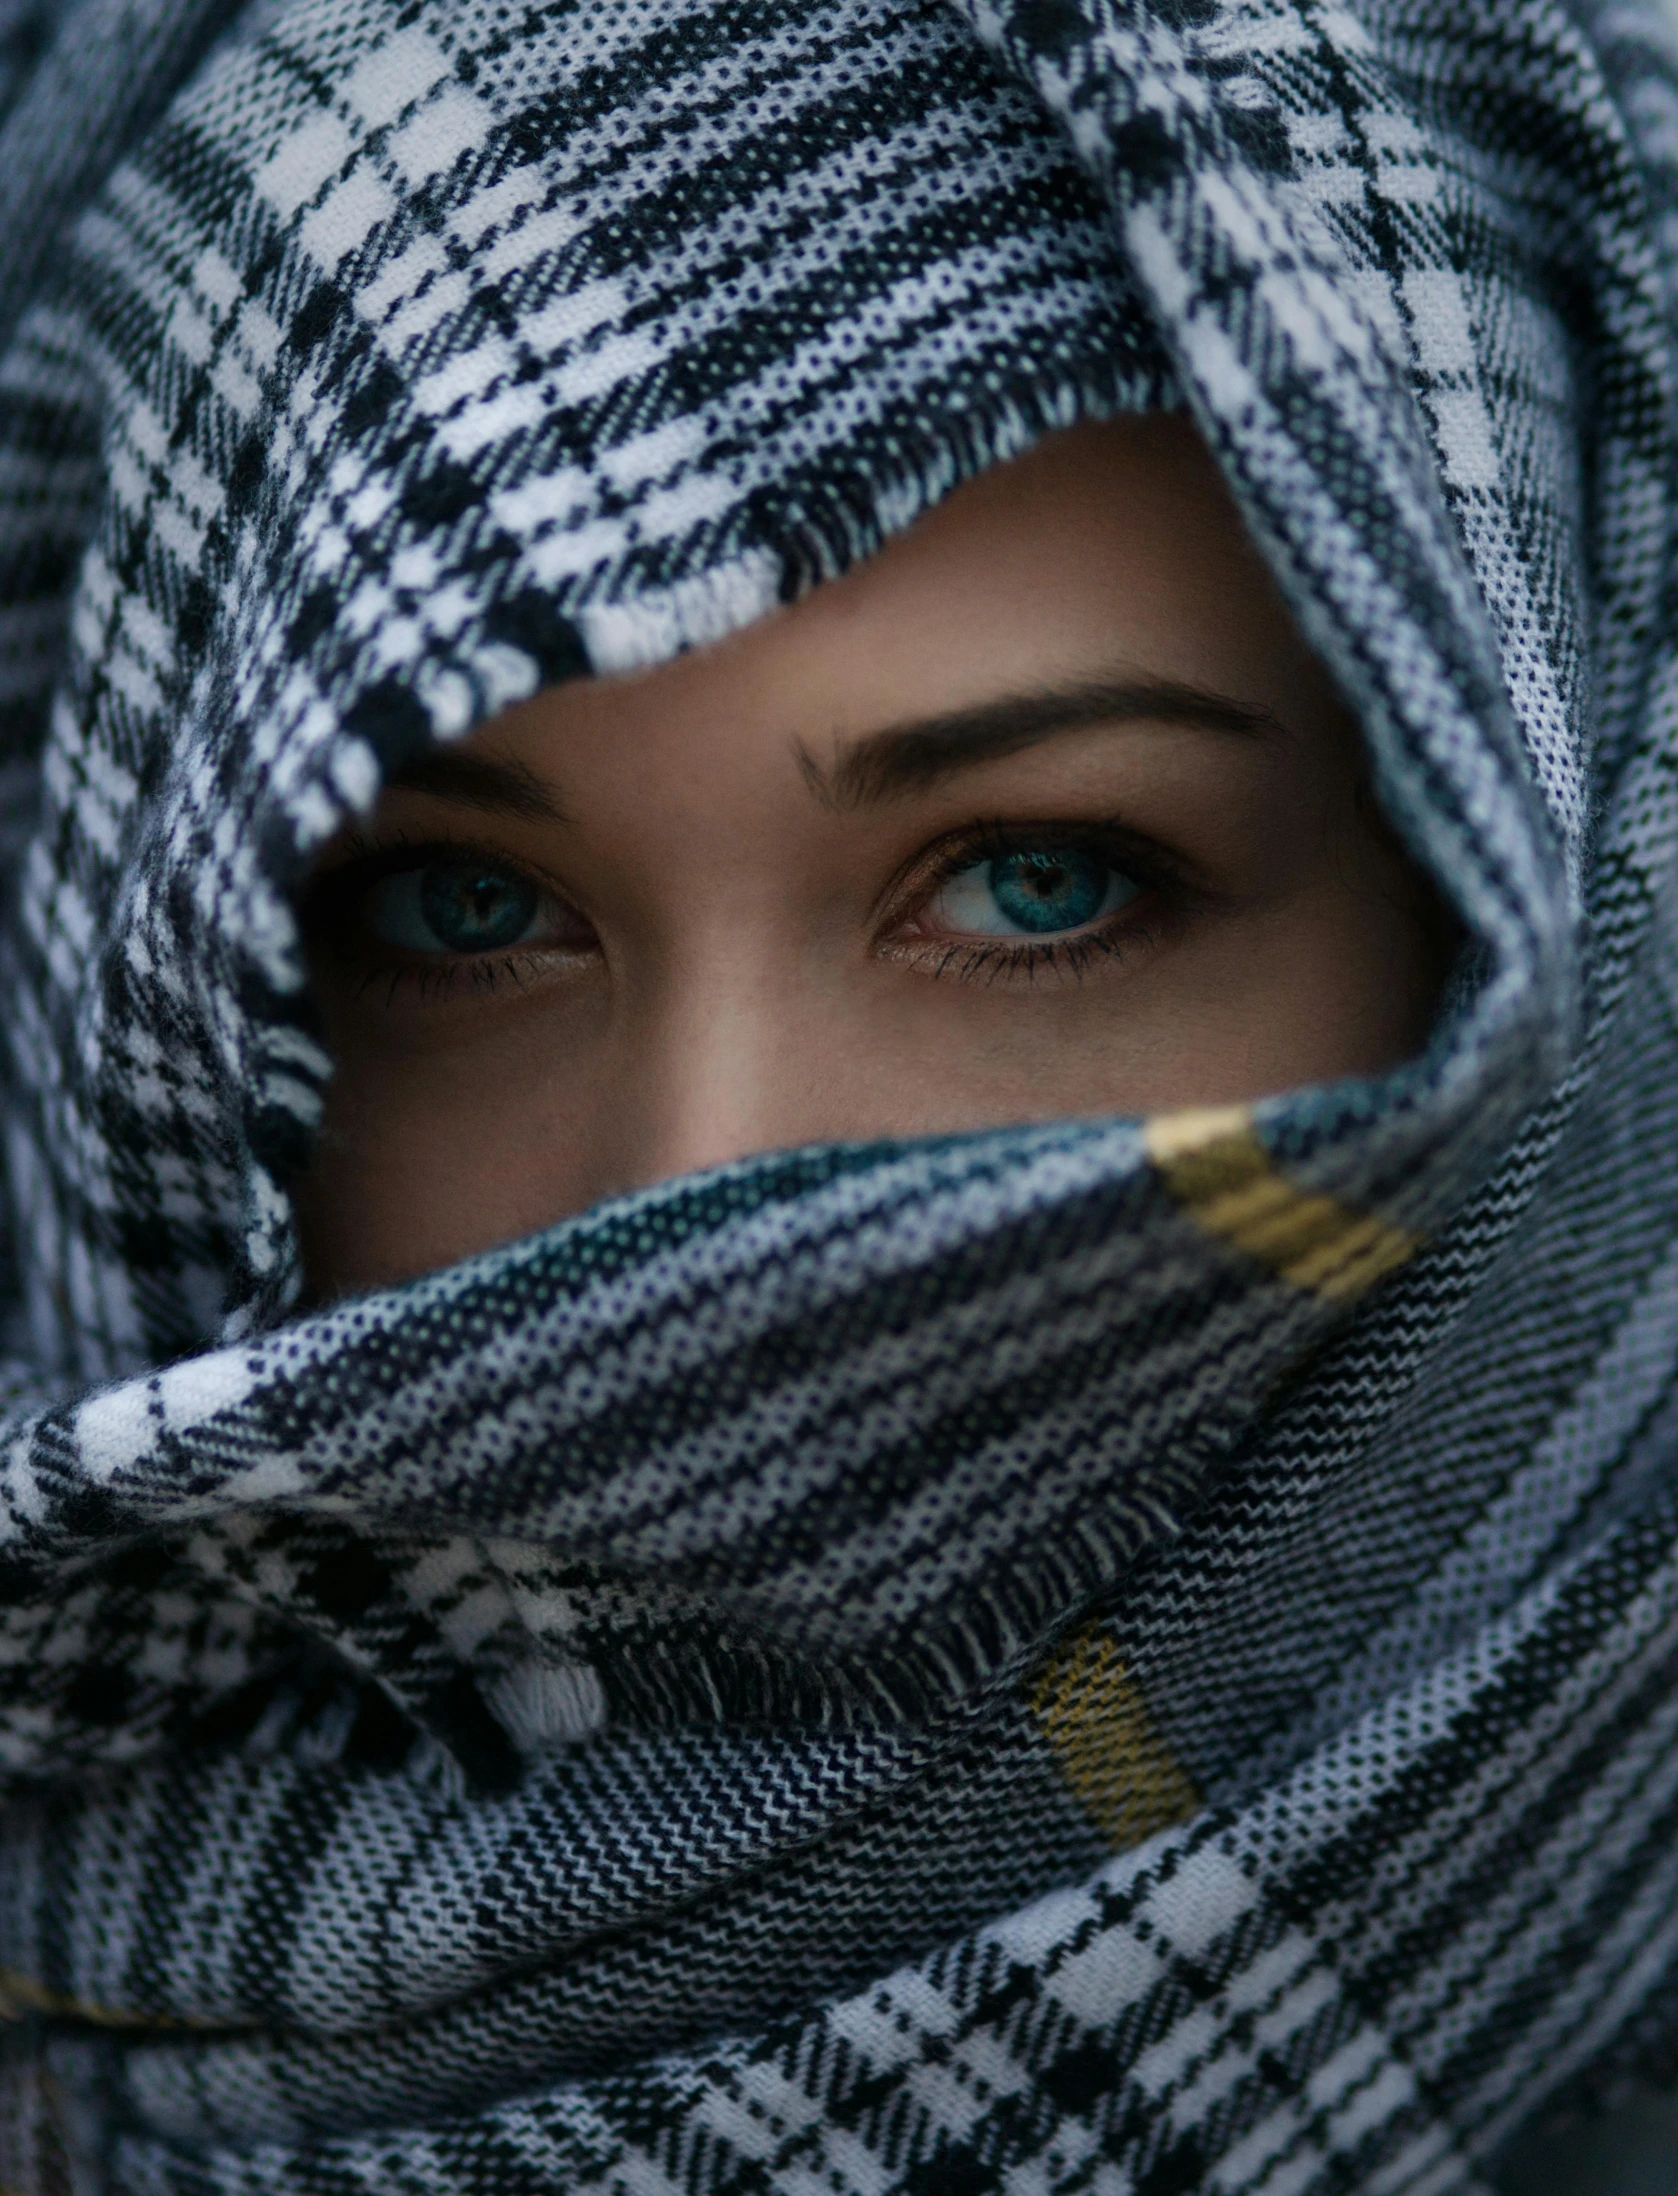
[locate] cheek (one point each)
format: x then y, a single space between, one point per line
1343 979
1394 935
427 1157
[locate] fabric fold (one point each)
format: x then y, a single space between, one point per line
1117 1655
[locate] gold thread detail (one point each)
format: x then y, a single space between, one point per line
1215 1165
21 1995
1106 1743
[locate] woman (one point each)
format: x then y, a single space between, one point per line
881 1621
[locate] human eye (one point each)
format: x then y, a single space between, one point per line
1028 899
454 904
1031 892
429 917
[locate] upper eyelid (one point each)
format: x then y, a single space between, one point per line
1113 837
370 859
1155 864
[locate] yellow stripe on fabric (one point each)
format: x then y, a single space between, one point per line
1104 1740
21 1995
1216 1166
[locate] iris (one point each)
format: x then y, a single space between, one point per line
454 907
1061 890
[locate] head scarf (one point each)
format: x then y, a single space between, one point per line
1113 1656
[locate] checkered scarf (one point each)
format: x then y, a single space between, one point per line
1117 1657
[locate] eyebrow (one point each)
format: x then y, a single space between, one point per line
509 787
908 758
902 759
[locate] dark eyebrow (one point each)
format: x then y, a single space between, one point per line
477 781
907 758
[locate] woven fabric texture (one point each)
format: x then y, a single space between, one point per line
1116 1657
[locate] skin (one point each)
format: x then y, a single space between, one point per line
747 935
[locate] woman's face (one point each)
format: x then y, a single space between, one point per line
1045 810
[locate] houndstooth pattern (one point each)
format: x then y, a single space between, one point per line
576 1722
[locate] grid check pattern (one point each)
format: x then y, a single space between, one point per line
652 1709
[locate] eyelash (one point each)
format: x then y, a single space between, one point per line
996 957
334 896
1136 925
330 903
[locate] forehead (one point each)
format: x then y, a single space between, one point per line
1110 547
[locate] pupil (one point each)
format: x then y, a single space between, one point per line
471 909
1049 891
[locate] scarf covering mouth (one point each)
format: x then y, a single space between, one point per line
1116 1657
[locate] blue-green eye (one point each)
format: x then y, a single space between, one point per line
450 905
1031 892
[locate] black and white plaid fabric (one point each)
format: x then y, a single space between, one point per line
1125 1658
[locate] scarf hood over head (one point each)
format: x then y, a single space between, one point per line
1111 1656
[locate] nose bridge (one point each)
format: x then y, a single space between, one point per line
718 1058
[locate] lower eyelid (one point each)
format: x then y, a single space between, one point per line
1135 927
439 976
